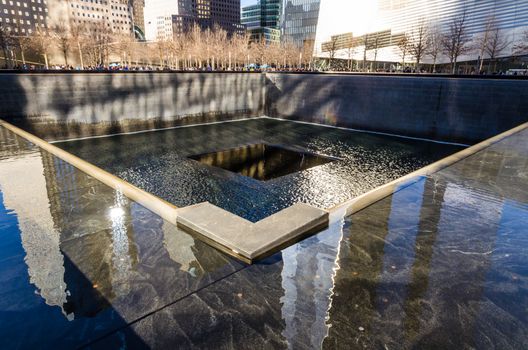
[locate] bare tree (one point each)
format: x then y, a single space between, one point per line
219 45
483 39
6 41
196 42
419 43
239 50
307 55
434 45
178 49
61 34
521 47
332 49
39 41
351 51
162 48
403 45
21 42
496 44
291 53
124 47
365 48
375 47
78 38
98 51
456 42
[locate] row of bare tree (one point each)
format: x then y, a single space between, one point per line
457 42
98 45
427 41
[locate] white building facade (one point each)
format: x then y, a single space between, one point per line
396 18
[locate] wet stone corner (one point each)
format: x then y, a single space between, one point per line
249 241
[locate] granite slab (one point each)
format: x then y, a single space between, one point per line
251 241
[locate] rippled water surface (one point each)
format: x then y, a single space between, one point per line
159 162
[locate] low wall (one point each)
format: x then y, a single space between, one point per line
63 105
443 108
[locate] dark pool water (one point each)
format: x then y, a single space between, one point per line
262 161
159 162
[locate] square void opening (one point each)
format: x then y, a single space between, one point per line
262 161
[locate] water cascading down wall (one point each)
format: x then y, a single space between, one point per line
456 109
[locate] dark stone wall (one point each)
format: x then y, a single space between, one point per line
443 108
64 105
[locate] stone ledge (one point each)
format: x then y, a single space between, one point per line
249 241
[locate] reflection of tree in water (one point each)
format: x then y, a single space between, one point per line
101 266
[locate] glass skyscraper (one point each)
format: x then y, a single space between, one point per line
262 20
299 22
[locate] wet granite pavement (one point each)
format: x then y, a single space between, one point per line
442 263
78 260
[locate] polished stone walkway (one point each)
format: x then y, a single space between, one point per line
442 263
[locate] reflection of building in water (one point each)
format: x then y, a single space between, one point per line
307 281
179 246
24 190
12 145
83 275
392 269
97 277
361 263
468 224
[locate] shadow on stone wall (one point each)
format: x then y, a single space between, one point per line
58 106
456 109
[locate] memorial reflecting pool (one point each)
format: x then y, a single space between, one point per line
442 263
159 163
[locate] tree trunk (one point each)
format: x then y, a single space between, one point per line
5 57
80 55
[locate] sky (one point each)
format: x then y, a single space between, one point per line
247 2
344 16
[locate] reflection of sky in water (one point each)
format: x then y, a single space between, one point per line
120 245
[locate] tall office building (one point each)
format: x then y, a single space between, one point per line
208 13
299 22
156 11
186 13
397 18
262 20
22 17
138 16
115 15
